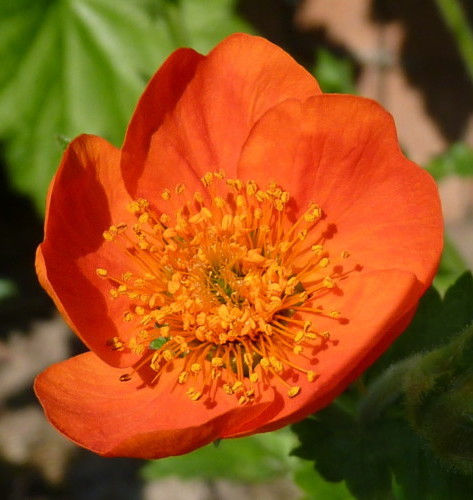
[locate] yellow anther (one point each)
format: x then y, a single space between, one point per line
251 188
128 316
240 201
276 364
109 235
134 207
227 220
237 386
254 256
207 179
115 344
227 388
317 249
219 202
193 394
183 377
136 348
179 189
298 349
101 272
293 391
334 314
143 218
143 334
257 213
195 368
139 310
264 362
328 282
254 377
217 362
242 400
284 246
167 355
311 376
302 235
324 262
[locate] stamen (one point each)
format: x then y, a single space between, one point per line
232 284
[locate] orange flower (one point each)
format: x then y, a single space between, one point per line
249 251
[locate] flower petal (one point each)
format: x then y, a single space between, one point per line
159 98
87 194
232 87
377 306
116 418
342 153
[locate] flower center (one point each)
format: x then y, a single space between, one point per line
225 284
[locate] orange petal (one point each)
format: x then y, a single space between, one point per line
342 152
86 196
232 87
159 98
132 419
375 305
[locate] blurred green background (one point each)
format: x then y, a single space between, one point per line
74 66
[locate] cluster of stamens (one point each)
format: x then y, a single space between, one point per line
224 283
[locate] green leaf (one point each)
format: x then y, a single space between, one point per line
8 289
209 21
252 459
335 74
79 66
457 160
383 460
452 265
315 487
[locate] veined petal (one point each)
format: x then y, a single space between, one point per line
87 194
232 87
115 418
159 99
343 152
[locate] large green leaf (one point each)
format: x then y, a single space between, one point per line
382 460
74 66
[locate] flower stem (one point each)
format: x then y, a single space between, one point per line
454 16
385 390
